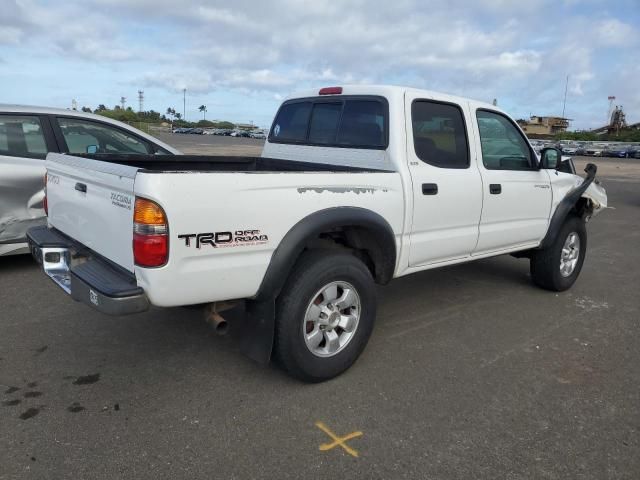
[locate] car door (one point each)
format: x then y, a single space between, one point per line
25 140
516 194
447 189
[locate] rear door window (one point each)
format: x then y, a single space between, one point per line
22 136
439 134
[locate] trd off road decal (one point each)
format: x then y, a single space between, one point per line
239 238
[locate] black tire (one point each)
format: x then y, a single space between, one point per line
312 272
545 264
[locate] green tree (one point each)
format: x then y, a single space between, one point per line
203 109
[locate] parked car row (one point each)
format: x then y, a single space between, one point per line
222 131
590 149
595 150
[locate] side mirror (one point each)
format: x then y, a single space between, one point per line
550 158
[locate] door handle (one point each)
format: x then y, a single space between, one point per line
495 188
81 187
429 188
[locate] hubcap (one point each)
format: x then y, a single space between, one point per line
331 319
570 254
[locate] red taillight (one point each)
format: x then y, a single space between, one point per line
150 234
45 205
330 91
150 250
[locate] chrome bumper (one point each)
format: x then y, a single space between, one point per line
86 277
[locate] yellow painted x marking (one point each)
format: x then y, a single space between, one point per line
338 441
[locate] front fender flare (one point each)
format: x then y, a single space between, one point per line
565 206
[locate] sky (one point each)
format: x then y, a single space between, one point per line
240 58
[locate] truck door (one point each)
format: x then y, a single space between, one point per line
517 195
447 189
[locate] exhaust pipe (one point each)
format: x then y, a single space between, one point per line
220 325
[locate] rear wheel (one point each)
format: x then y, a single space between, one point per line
324 315
557 267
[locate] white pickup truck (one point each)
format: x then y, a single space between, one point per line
356 185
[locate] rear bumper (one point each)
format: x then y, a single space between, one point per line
88 278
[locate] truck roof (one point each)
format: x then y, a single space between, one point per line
390 91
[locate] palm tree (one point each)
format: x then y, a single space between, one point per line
203 109
171 114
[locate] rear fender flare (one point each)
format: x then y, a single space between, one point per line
380 244
258 335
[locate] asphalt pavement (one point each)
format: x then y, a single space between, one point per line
471 372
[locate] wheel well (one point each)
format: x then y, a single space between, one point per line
583 208
363 232
359 241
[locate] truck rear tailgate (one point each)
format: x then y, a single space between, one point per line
92 202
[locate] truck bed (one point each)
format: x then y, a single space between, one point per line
220 163
91 199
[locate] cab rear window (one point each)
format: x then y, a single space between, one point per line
347 122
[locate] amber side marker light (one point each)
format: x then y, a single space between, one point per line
150 234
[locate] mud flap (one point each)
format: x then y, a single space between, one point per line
256 341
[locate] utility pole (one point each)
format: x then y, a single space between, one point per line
184 104
140 100
564 104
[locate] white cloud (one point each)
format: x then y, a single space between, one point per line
615 33
193 80
511 50
10 35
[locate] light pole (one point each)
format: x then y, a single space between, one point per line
184 104
564 103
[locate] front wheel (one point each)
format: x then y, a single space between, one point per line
557 267
325 315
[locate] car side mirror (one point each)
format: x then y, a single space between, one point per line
91 149
550 158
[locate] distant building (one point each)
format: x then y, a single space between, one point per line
544 125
